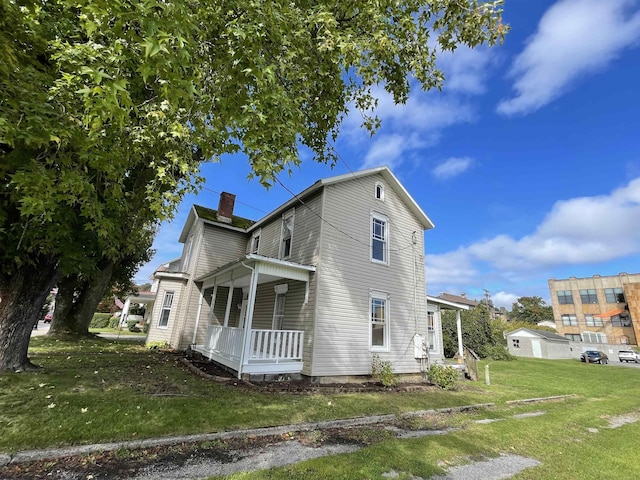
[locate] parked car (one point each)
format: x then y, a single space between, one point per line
594 356
628 356
47 318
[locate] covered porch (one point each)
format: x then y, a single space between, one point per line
255 314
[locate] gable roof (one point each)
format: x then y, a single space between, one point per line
211 216
386 174
541 333
458 299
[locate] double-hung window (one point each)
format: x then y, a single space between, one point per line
167 301
379 320
379 239
614 295
570 320
432 332
565 297
588 296
255 241
287 235
592 321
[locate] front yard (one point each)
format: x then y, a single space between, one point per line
100 391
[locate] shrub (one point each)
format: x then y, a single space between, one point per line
132 325
382 372
100 320
114 322
145 327
443 376
499 352
158 345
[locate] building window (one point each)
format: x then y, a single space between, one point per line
432 338
516 343
278 311
167 301
379 239
594 337
588 296
614 295
379 192
622 320
379 322
592 321
565 297
255 241
574 337
571 320
287 235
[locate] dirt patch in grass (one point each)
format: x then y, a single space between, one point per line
217 373
132 463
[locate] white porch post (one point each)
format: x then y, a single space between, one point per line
213 304
125 312
459 329
195 328
228 310
246 347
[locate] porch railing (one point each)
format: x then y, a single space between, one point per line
265 346
275 346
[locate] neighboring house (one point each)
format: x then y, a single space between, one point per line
463 300
316 287
598 309
528 342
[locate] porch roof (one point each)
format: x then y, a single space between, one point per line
238 272
446 304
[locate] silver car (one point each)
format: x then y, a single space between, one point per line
628 356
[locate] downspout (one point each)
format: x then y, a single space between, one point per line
248 323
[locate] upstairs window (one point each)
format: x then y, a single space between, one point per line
286 235
614 295
588 296
379 239
167 302
255 241
565 297
379 192
621 320
570 320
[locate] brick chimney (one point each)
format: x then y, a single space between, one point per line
225 207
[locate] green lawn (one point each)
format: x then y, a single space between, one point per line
100 390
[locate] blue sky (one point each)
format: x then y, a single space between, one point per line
528 161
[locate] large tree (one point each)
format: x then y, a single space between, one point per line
531 310
93 92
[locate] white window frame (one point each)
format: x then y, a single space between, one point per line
379 191
289 216
376 217
433 331
167 303
278 311
588 337
255 241
385 322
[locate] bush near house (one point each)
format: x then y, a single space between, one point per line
100 320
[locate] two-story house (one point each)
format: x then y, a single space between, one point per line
316 287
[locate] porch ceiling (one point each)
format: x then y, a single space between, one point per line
269 269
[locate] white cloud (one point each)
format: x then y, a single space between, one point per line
452 167
574 38
579 231
504 299
419 123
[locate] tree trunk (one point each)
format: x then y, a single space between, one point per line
79 302
23 295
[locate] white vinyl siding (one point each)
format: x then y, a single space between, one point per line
346 275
